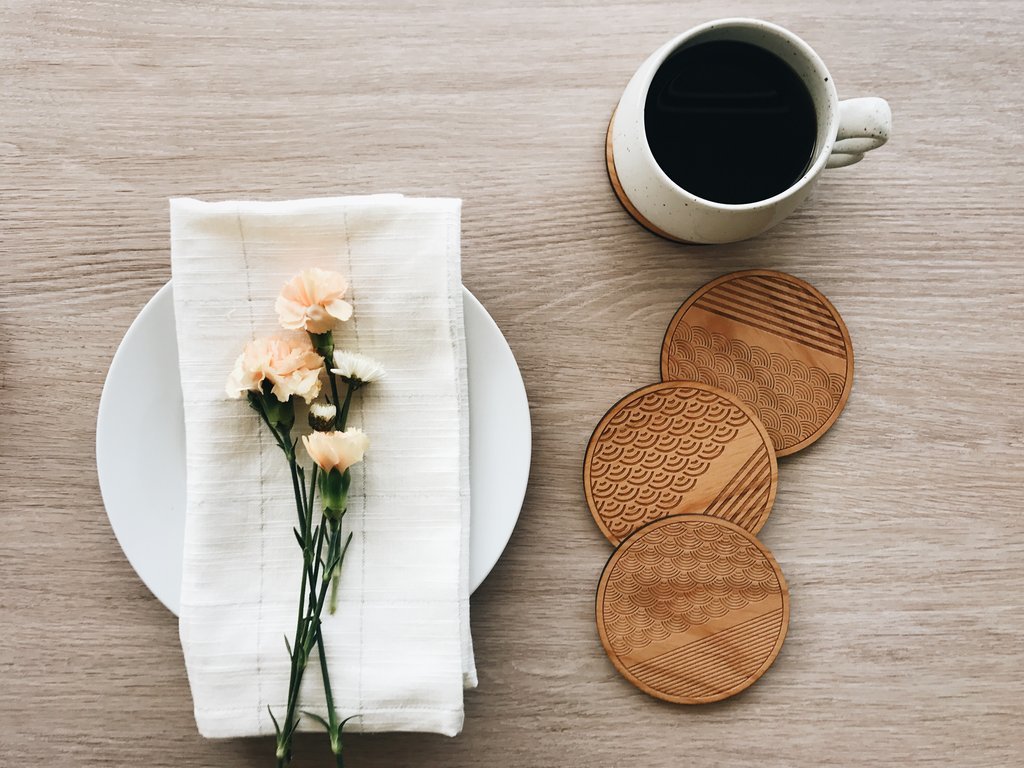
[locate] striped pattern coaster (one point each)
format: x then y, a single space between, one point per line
775 343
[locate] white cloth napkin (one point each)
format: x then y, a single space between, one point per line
399 646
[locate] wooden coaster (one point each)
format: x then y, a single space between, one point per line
613 177
692 609
678 448
774 342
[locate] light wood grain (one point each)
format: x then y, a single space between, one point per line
900 532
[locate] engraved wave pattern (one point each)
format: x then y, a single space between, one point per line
651 453
792 398
680 575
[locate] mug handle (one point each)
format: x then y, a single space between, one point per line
864 124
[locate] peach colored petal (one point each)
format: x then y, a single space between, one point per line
318 319
323 286
312 446
240 381
297 290
287 361
330 453
340 310
312 301
336 450
291 314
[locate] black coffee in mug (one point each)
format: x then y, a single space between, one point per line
730 122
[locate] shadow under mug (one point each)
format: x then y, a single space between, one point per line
845 131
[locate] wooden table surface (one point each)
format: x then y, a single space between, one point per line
901 532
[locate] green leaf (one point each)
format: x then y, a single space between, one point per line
319 719
288 645
298 537
277 727
344 549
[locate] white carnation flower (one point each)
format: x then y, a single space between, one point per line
356 368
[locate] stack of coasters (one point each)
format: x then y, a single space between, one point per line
681 475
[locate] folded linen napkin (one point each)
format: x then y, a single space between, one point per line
399 646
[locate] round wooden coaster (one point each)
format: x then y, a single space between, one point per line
678 448
774 342
692 609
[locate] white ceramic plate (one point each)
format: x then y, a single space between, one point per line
142 471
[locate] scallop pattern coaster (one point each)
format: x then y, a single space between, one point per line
692 609
774 342
677 448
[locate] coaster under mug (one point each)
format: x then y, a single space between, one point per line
692 609
613 178
843 132
774 342
676 448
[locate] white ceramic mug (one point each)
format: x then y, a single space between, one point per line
845 131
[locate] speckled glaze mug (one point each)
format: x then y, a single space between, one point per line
845 131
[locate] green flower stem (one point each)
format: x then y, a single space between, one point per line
323 343
300 505
307 629
341 420
333 727
334 487
318 562
260 406
300 646
302 488
333 606
335 554
334 391
320 571
319 532
332 724
298 666
305 621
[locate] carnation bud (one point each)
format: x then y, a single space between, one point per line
322 416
